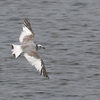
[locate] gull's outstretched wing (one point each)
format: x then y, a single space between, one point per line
27 33
37 62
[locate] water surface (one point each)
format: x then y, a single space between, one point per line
70 32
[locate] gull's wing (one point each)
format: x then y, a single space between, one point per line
37 62
27 33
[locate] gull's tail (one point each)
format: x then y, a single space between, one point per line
16 50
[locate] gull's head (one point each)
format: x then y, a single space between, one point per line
38 46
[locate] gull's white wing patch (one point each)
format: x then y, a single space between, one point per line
34 61
26 31
37 63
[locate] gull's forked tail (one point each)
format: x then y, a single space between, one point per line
16 50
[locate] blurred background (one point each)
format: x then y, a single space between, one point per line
70 32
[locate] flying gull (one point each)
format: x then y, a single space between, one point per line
29 48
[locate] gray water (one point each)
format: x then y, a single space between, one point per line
70 32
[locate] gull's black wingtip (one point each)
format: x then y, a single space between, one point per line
26 19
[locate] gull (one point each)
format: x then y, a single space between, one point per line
29 48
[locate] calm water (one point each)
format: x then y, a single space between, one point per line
70 32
